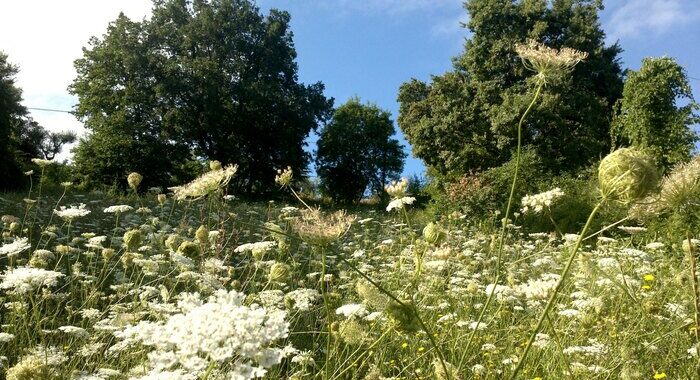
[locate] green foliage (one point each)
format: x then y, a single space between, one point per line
36 142
11 114
464 120
356 151
211 79
648 115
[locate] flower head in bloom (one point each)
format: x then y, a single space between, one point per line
72 212
42 163
284 177
205 184
118 209
397 189
546 61
539 202
15 248
24 280
220 330
399 203
317 228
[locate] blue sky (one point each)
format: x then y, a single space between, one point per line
368 48
355 47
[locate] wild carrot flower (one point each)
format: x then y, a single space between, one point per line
539 202
548 62
15 248
72 212
24 280
205 184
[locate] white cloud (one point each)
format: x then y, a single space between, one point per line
44 37
637 18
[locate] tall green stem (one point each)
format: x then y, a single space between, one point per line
557 288
504 223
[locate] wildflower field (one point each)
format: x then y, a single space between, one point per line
199 285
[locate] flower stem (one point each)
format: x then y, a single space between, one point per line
504 223
557 288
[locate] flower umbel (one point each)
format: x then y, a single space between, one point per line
546 61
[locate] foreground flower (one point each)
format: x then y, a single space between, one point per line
546 61
24 280
15 248
205 184
72 212
222 330
399 203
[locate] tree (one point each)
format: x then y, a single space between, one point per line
11 117
464 120
201 79
648 115
35 141
356 151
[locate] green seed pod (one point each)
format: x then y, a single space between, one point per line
279 272
433 233
403 316
132 239
107 253
352 332
626 175
202 235
134 180
173 242
189 249
162 198
370 295
29 368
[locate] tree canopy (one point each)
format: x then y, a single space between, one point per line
464 120
11 114
649 114
356 151
198 80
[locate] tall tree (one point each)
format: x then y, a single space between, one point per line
356 151
464 120
11 118
122 110
217 79
649 115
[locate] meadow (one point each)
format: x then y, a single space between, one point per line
197 284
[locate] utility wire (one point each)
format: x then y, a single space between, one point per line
49 110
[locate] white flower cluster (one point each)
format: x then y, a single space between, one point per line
397 189
256 248
538 202
24 280
118 209
222 330
72 212
206 183
15 248
399 203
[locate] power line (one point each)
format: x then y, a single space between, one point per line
49 110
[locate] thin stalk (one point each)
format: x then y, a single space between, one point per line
555 292
696 301
504 223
